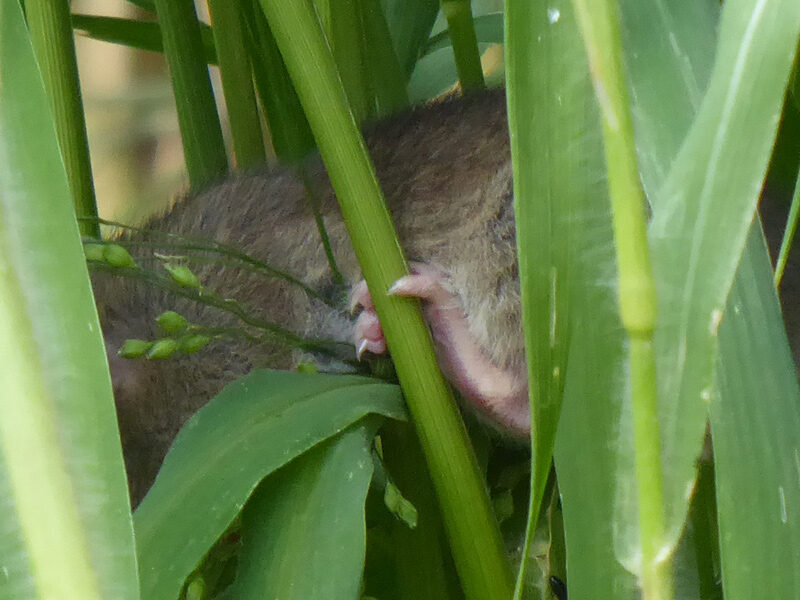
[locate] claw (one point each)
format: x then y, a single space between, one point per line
362 347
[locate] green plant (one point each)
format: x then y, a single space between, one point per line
703 86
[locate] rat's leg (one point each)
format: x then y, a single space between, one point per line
500 394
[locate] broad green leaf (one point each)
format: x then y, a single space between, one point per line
253 427
303 531
65 527
755 425
701 217
421 566
145 35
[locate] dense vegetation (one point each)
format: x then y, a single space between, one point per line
642 133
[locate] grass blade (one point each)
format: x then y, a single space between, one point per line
237 83
756 431
64 512
465 44
556 168
599 22
144 35
201 133
51 35
410 22
701 218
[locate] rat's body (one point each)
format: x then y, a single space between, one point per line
446 173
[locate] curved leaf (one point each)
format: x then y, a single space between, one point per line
303 531
253 427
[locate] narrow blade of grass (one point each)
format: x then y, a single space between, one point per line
237 83
557 164
599 23
288 127
465 44
346 38
386 74
201 133
410 22
488 30
51 35
144 35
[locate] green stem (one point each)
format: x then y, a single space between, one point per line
465 44
203 148
469 522
51 34
237 83
599 24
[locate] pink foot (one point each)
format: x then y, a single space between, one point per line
499 394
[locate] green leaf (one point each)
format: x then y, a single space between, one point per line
291 135
701 218
64 513
410 22
755 425
303 531
488 29
145 35
562 214
253 427
147 5
201 133
236 74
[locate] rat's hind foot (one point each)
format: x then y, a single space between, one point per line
500 394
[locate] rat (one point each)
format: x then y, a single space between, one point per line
445 170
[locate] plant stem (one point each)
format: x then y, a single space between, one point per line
469 522
599 24
201 133
237 83
465 44
51 34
